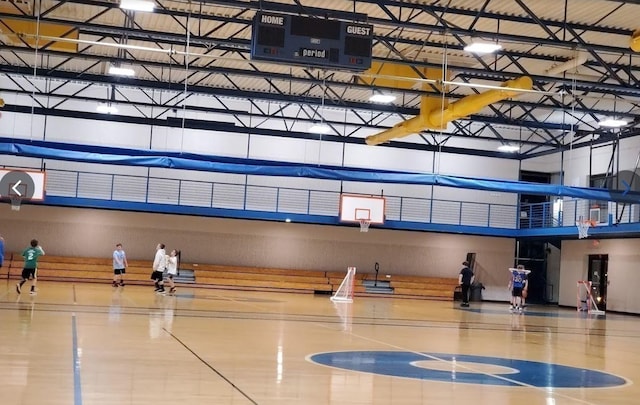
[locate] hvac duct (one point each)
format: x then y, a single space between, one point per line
432 116
579 60
634 43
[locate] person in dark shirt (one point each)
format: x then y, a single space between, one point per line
465 279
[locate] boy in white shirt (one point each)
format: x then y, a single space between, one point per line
172 269
159 266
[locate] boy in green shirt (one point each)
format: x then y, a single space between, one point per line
30 269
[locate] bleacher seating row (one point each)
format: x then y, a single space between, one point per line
99 270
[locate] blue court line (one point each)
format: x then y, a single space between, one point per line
77 387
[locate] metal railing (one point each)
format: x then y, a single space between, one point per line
562 212
247 197
567 211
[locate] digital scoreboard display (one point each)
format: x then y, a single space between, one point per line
311 41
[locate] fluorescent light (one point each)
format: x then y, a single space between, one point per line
508 148
482 47
612 123
138 5
382 98
107 109
119 71
319 128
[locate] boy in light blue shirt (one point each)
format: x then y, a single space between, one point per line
119 265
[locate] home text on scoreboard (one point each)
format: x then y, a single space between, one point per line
311 41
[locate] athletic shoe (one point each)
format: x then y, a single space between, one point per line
18 288
121 284
114 284
33 292
172 290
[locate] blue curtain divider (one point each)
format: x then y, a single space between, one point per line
190 161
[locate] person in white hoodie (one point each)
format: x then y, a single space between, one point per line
159 266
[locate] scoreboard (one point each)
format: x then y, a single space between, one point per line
311 41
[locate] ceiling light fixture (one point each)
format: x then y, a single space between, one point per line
138 5
382 98
612 123
120 71
320 128
480 47
508 148
106 109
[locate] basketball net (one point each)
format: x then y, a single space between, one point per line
15 202
583 229
344 293
364 225
588 303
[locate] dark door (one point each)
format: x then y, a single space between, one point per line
598 273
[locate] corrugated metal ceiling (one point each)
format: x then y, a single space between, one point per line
410 32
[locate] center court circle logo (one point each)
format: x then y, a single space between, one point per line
488 370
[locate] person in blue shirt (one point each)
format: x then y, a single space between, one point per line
517 284
1 251
119 265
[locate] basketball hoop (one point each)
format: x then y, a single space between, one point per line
364 225
583 228
15 202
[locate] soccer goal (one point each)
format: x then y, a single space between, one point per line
585 301
344 293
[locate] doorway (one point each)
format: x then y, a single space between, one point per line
598 275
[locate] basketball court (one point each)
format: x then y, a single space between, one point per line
94 344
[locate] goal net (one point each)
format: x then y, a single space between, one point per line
584 299
344 293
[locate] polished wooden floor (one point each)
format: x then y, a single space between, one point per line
93 344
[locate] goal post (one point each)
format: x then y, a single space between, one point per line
587 303
344 293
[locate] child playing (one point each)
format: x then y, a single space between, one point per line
30 269
517 284
172 269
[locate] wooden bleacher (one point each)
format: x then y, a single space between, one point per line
99 270
417 287
260 278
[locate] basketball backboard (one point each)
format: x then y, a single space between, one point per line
356 208
23 184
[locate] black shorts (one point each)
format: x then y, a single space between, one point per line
29 273
516 292
157 276
118 272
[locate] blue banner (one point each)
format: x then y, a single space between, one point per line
220 164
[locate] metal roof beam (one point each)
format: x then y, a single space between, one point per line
226 127
237 45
